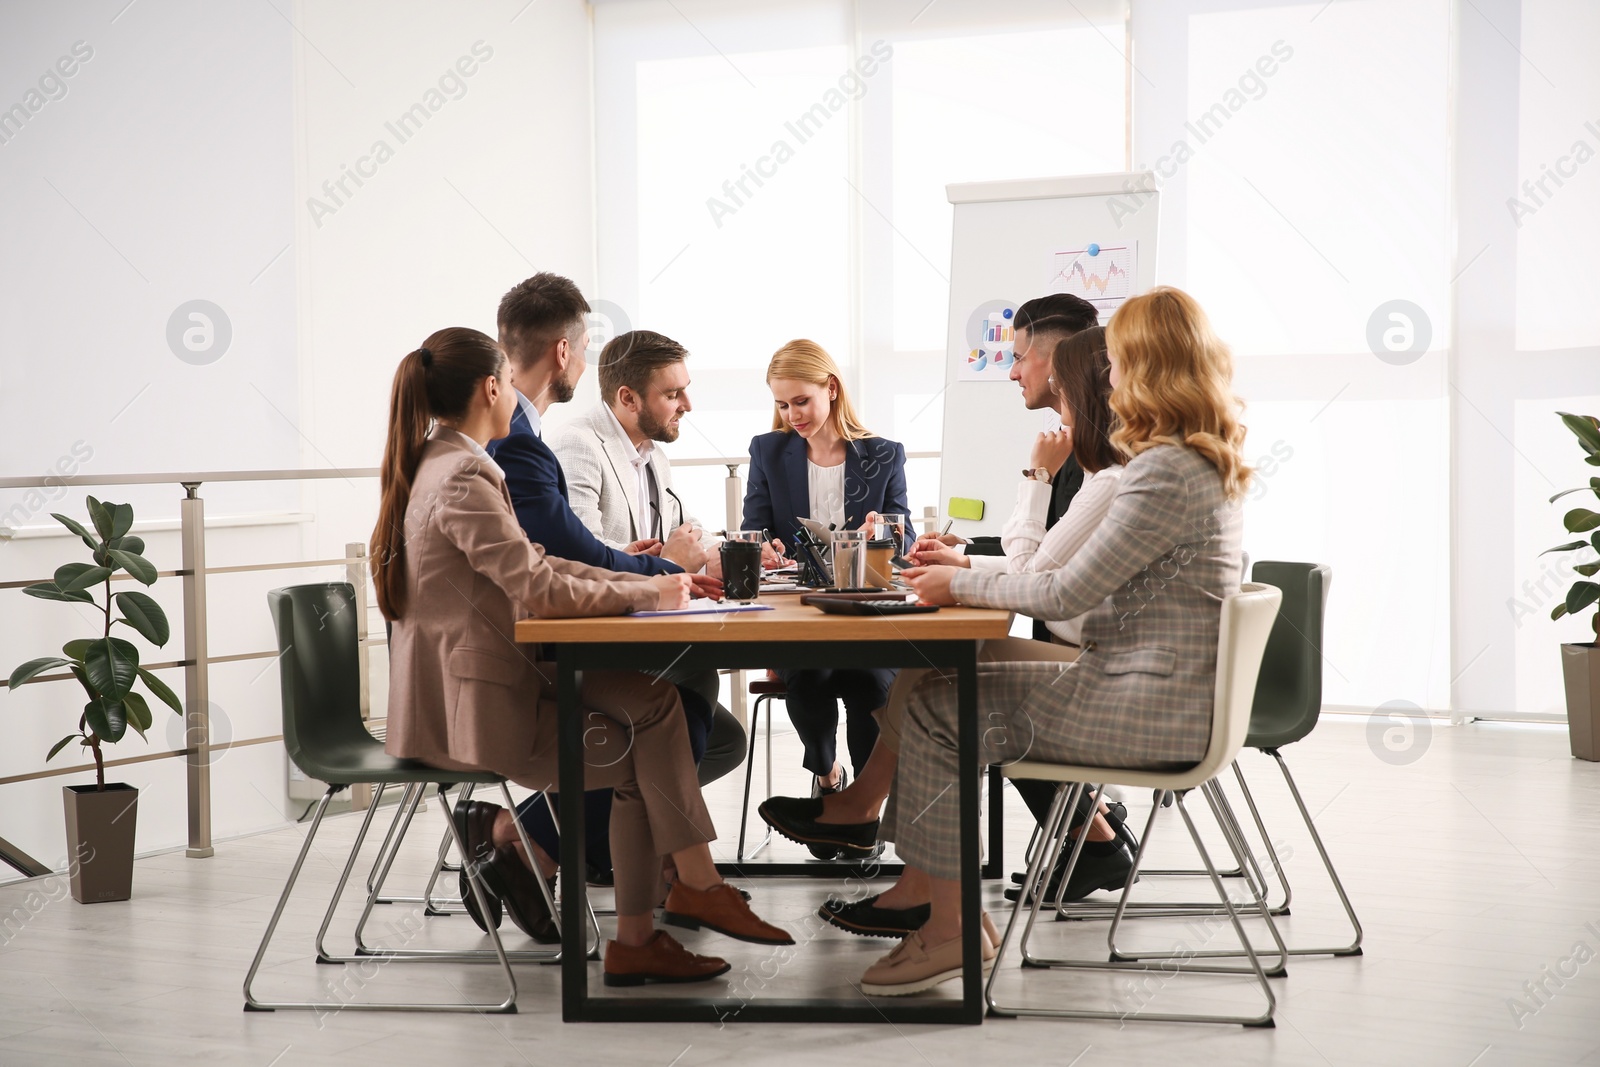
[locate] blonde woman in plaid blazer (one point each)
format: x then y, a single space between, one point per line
1151 580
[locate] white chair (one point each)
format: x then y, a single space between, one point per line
1247 620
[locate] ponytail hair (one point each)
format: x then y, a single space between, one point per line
433 382
807 361
1175 383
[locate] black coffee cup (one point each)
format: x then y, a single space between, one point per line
741 570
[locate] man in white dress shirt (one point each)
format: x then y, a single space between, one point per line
619 484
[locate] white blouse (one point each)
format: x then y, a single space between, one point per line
1030 548
826 487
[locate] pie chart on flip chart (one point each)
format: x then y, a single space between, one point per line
990 339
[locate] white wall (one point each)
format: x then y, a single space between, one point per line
188 145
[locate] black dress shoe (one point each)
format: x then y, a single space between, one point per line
796 819
865 918
818 791
514 884
475 824
1103 865
472 903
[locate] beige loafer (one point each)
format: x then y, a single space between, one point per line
915 967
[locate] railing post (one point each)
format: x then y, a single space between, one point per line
733 508
733 498
196 676
356 574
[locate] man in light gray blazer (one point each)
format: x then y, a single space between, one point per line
619 485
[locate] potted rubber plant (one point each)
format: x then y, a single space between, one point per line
1580 661
100 818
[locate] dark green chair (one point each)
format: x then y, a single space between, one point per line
326 739
1288 703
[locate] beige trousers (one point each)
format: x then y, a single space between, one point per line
635 742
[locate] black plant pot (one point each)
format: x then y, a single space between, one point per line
100 825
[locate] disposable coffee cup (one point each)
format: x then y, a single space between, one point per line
880 557
741 570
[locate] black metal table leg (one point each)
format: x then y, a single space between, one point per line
972 1005
577 1004
574 883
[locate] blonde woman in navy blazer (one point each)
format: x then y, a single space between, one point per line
820 462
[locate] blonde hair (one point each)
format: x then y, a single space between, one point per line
1175 383
807 361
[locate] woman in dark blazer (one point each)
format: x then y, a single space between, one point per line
820 462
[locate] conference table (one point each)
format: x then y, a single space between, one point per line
790 635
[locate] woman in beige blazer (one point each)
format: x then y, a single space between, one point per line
454 572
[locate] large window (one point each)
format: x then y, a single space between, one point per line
778 170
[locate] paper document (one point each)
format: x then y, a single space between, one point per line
705 606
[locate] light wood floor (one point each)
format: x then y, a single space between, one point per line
1474 868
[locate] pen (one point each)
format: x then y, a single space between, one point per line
947 524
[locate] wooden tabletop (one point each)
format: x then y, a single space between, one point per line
788 621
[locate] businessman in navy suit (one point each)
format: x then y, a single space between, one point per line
544 330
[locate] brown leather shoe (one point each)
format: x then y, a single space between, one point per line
723 909
661 959
511 880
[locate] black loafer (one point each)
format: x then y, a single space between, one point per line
472 903
514 884
796 819
865 918
1103 865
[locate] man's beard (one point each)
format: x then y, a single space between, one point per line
561 390
656 431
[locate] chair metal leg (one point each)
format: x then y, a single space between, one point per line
364 951
1046 858
1266 841
251 1003
1218 802
593 950
1354 948
432 905
594 921
388 838
1248 869
1161 975
749 773
1029 895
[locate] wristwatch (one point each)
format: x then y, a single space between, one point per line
1037 474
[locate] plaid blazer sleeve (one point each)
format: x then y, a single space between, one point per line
1150 516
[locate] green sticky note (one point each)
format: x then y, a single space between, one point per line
964 508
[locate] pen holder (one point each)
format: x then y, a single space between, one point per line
741 570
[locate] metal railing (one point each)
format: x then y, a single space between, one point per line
196 659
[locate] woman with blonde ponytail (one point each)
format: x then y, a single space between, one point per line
454 572
1149 584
